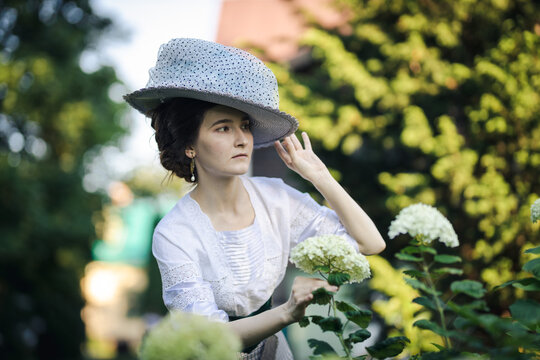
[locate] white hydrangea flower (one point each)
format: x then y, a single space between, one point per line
535 211
425 220
183 336
333 251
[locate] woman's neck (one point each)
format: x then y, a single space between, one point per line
220 194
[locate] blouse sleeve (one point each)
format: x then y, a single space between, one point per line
311 219
183 286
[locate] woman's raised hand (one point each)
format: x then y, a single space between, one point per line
301 159
301 296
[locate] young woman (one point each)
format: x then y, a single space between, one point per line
224 247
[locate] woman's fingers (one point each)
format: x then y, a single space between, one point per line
283 154
307 142
309 285
296 142
289 145
302 294
328 287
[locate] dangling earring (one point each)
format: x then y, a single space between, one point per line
192 168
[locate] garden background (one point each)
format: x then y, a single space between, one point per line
407 101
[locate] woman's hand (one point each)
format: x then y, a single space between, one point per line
301 296
253 329
300 159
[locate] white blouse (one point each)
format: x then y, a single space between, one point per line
234 273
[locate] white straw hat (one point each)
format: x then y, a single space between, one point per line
208 71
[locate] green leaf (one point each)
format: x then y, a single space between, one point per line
528 284
527 312
448 270
410 250
461 323
331 324
344 306
468 310
316 319
421 286
359 317
321 296
472 288
430 325
416 248
415 274
304 321
494 324
447 259
476 305
425 302
461 310
427 249
442 354
320 347
388 348
361 357
471 356
535 250
322 268
338 279
503 285
407 257
533 267
359 336
439 347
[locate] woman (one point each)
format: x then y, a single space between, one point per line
224 247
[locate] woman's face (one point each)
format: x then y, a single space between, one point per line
224 144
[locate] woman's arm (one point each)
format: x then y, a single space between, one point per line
256 328
304 161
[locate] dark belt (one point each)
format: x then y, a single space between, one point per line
266 306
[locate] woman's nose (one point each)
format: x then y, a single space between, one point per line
241 138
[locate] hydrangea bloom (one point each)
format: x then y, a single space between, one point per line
332 251
425 220
535 211
186 336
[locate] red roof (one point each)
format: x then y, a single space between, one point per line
273 25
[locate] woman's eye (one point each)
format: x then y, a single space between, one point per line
246 126
223 129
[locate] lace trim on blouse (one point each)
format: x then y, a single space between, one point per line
180 273
189 296
328 222
223 295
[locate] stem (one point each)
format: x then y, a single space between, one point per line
322 275
440 309
340 334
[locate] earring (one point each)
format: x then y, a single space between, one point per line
192 168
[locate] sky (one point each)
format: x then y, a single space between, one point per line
141 26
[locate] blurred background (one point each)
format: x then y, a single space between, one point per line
406 101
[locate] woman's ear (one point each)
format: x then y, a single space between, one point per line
190 152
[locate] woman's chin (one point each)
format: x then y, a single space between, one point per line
238 171
243 172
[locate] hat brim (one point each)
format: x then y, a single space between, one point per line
268 125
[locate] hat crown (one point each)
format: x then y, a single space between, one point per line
211 67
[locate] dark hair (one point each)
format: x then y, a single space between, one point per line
177 122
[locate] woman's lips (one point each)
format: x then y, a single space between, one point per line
240 156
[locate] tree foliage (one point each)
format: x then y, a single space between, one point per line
52 116
434 102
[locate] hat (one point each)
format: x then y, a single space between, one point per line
208 71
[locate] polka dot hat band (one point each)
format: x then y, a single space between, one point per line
204 70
